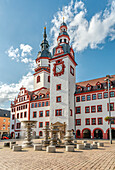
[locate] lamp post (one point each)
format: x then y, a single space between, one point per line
108 77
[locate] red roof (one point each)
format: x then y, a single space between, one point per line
94 81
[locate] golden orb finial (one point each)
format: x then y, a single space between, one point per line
45 28
63 19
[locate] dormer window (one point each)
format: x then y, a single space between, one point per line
60 40
88 87
98 85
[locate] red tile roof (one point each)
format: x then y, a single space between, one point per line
94 81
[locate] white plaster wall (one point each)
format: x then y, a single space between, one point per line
67 82
43 80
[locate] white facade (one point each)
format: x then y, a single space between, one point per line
57 98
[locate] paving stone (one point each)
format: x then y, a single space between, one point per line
96 159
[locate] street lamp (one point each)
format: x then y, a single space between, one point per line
108 77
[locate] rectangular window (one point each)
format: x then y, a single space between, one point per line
58 99
40 124
47 103
82 98
47 113
32 105
18 125
39 105
99 95
17 115
100 121
25 114
93 96
111 106
46 123
106 95
43 104
87 121
78 99
40 113
71 114
35 104
112 121
49 79
99 108
78 110
13 116
78 122
21 115
93 109
58 87
72 70
88 97
112 94
93 120
12 126
34 114
87 109
58 112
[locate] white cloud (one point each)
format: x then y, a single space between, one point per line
13 53
84 33
26 50
8 92
22 54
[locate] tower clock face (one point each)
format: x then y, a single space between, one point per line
58 68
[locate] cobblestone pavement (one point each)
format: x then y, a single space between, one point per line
28 159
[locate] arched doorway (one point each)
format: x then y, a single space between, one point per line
78 135
86 133
98 134
113 133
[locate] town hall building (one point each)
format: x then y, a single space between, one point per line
58 99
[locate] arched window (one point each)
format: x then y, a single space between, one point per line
38 79
48 78
65 40
40 133
60 40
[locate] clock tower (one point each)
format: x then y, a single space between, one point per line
63 78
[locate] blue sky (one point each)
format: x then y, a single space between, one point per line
91 25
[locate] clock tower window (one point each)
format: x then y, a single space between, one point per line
58 112
58 99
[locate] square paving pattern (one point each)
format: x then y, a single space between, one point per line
28 159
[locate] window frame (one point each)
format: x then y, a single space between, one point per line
92 121
76 122
86 108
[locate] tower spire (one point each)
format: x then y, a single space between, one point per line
45 35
